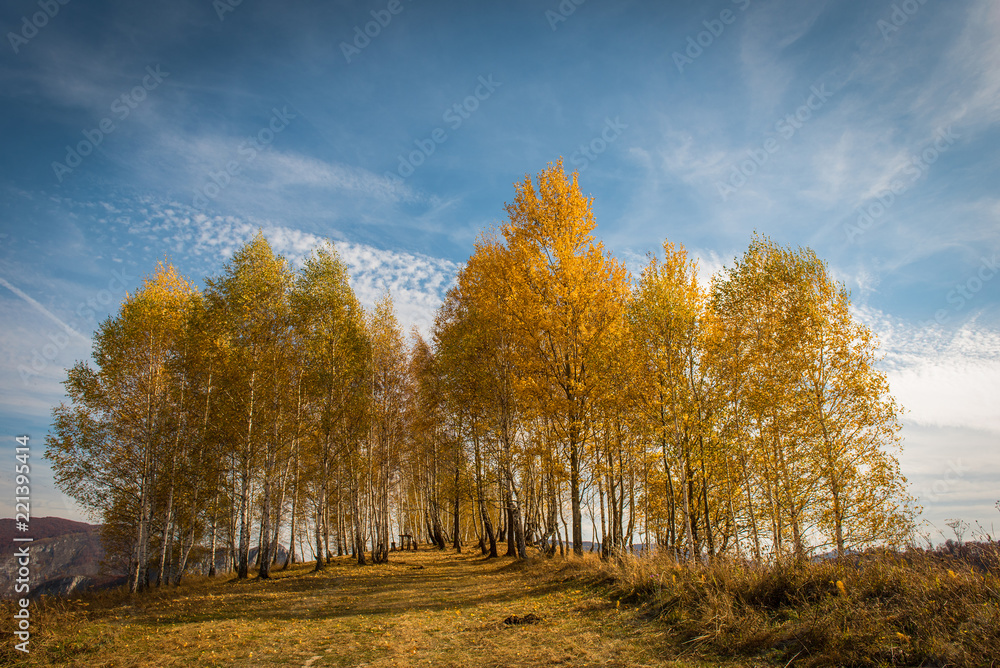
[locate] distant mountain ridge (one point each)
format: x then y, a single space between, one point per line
65 555
39 528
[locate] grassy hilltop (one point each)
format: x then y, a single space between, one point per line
442 609
423 608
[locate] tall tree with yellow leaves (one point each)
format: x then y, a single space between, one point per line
666 321
853 421
464 346
387 384
249 299
112 444
568 300
802 394
495 371
336 353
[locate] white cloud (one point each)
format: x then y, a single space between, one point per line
710 264
770 29
965 88
694 160
291 169
949 382
943 378
272 169
952 472
36 354
417 282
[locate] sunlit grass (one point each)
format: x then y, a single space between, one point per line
878 609
448 613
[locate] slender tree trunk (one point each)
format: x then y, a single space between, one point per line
565 528
142 535
483 510
278 513
233 521
290 559
604 530
185 553
509 518
671 500
264 552
243 569
456 538
708 518
320 562
167 526
551 523
359 537
215 531
631 512
574 491
321 500
517 532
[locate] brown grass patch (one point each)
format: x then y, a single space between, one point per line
877 609
448 613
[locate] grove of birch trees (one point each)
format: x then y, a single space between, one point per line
559 404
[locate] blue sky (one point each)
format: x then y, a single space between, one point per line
865 130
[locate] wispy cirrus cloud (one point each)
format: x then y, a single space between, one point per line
289 170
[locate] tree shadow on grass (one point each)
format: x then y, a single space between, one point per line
458 582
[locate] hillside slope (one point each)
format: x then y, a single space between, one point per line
40 528
65 555
425 608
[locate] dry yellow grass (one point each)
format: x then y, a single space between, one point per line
423 609
880 608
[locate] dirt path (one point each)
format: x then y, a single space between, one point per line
423 609
448 610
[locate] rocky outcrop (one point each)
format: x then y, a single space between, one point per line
64 562
63 586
